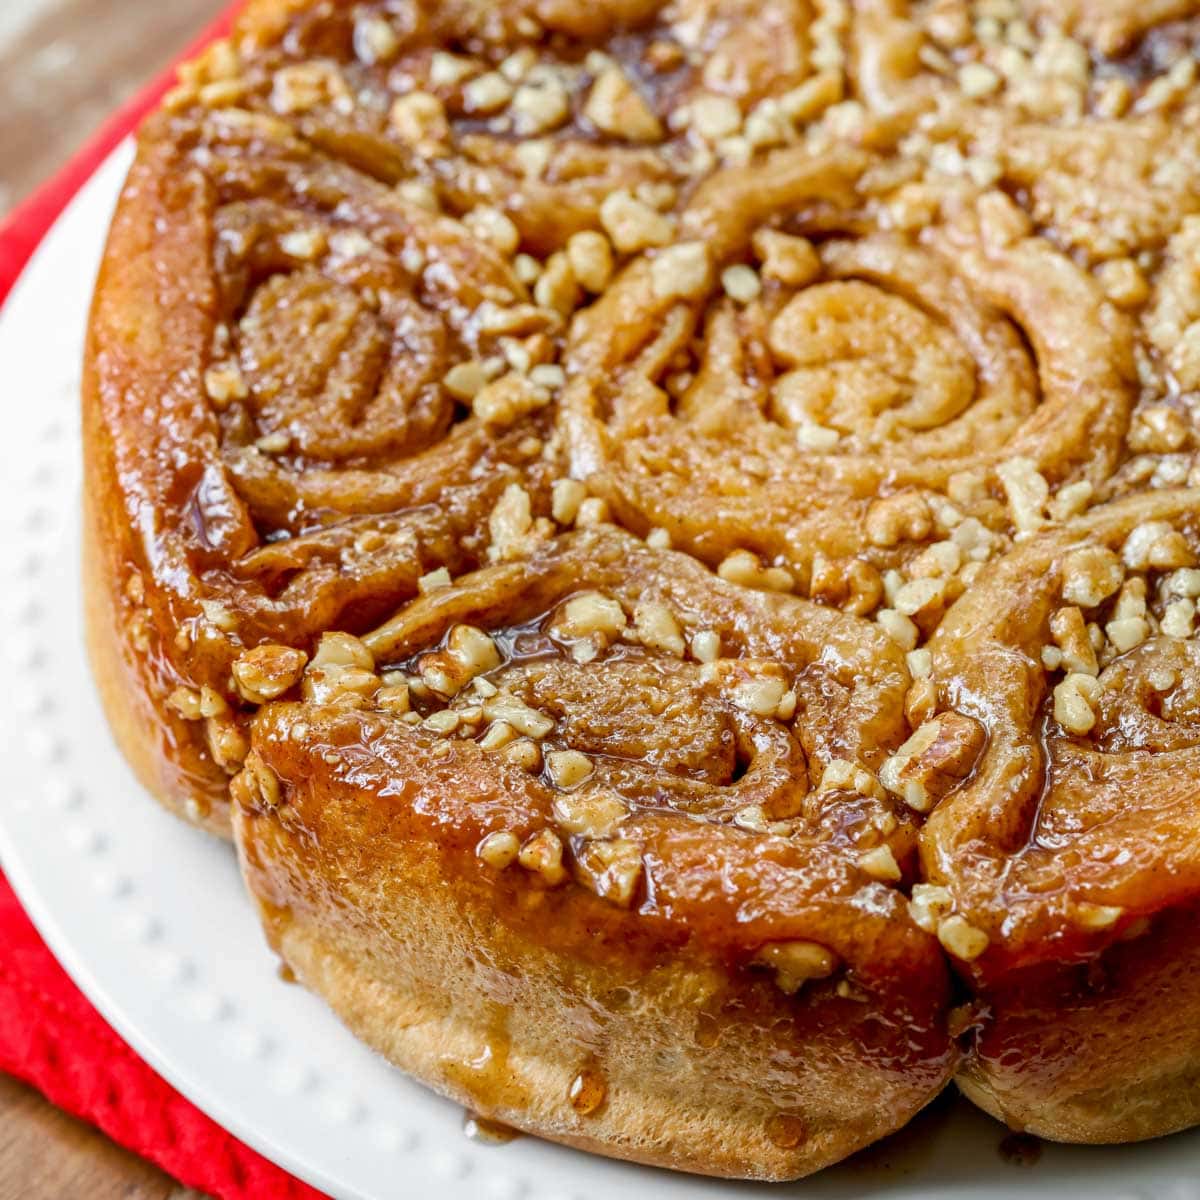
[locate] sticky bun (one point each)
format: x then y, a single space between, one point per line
669 536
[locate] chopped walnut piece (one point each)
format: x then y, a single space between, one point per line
920 701
898 627
487 93
618 109
267 671
795 963
525 754
432 580
217 614
743 567
1090 575
516 713
499 850
494 227
591 259
375 41
1070 634
445 69
274 443
741 283
1123 282
1074 701
260 781
227 742
938 756
1159 429
393 698
186 702
1156 544
977 80
419 119
568 768
706 646
920 596
1185 582
304 86
1097 916
612 869
1027 492
541 103
593 510
468 652
1178 618
842 775
761 697
656 627
1125 633
542 853
633 225
590 614
510 523
880 864
791 260
920 664
341 668
464 380
593 813
306 245
509 398
902 517
556 287
683 270
224 383
929 904
499 735
962 939
443 722
715 117
565 498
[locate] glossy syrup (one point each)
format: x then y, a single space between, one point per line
487 1132
588 1091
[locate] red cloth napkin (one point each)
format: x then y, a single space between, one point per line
50 1035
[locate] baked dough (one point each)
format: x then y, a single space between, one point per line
668 536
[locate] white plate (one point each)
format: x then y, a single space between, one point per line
149 917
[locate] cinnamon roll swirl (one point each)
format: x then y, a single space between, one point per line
669 535
573 750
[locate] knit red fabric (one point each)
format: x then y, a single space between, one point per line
50 1036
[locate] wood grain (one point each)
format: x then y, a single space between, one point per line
64 66
47 1155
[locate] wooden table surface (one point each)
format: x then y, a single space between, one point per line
64 66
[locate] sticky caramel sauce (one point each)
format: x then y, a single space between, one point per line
588 1091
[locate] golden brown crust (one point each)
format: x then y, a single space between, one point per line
124 643
667 1101
1106 1052
501 993
891 306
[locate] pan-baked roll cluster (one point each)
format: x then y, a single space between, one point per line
616 759
669 534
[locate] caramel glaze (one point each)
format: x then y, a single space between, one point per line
1075 813
280 548
712 896
768 51
370 800
954 374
